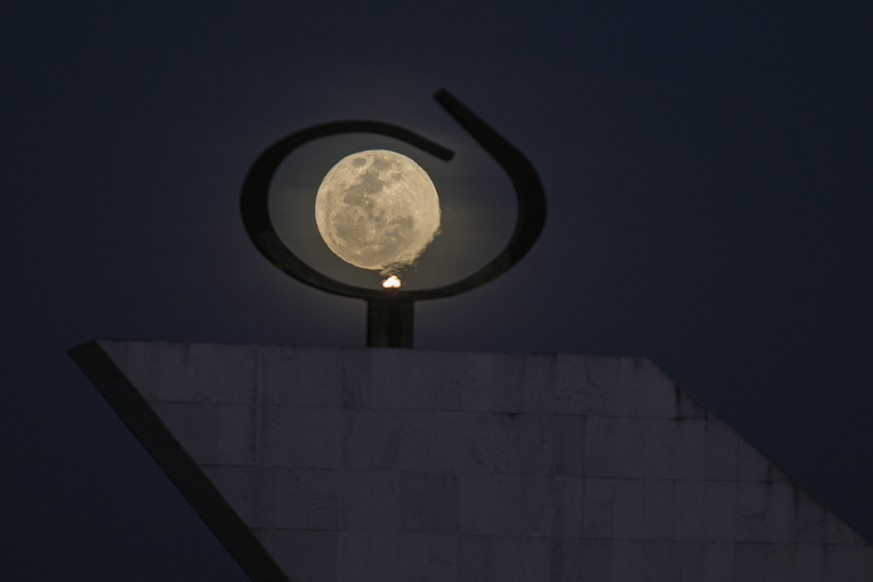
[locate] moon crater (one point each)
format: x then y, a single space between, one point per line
377 210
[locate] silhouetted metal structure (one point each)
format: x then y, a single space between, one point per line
390 312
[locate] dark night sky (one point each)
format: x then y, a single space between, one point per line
708 169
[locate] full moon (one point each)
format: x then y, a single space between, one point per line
377 210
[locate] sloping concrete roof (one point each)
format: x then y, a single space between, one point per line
318 464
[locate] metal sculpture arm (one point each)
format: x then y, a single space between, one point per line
529 193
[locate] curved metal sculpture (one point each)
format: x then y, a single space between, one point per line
390 312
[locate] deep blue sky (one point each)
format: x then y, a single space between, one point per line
709 176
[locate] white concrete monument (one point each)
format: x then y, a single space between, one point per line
377 465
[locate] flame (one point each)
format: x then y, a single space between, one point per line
392 282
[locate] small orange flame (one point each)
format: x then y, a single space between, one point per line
392 282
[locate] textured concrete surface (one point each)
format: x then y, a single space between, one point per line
398 465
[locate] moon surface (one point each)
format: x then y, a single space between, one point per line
377 210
